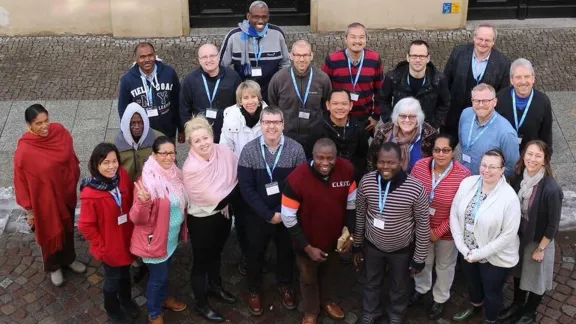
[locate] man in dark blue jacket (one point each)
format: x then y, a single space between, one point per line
154 86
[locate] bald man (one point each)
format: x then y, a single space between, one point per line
301 92
209 89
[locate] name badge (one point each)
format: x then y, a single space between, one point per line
211 113
272 188
466 158
122 219
256 71
519 140
304 114
470 227
431 211
354 96
152 112
378 223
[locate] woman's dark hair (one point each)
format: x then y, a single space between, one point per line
161 140
496 152
33 111
451 141
519 167
98 155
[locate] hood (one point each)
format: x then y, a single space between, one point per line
132 109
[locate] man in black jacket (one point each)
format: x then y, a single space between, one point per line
470 65
528 110
416 77
209 89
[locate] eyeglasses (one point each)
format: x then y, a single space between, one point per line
445 150
166 154
490 167
301 56
208 57
404 117
483 40
482 101
272 122
414 56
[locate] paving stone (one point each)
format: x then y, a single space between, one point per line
569 310
8 309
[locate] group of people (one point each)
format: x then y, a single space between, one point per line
409 171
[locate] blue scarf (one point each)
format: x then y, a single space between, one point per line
247 32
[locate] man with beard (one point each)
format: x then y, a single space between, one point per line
416 77
156 88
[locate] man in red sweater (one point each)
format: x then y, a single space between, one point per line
318 201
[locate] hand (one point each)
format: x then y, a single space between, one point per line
347 246
315 254
371 123
358 260
226 211
538 255
276 219
141 192
181 137
414 272
433 236
468 257
30 220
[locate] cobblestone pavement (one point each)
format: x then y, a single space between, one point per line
34 68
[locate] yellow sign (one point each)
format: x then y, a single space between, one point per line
455 7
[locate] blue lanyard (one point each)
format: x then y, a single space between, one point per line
117 197
416 141
470 143
382 200
519 124
148 91
408 79
477 200
435 182
302 100
270 171
352 79
257 50
210 97
475 66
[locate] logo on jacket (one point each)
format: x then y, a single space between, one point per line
340 184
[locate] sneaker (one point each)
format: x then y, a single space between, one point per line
57 278
77 267
174 305
157 320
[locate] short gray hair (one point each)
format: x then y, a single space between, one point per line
484 86
257 4
354 25
272 110
486 25
521 62
408 104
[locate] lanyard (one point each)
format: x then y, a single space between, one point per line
257 50
117 197
477 200
416 141
382 200
435 182
408 80
519 124
352 79
470 143
268 170
210 97
148 91
476 65
302 100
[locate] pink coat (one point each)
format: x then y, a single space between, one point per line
151 221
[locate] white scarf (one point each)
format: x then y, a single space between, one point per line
526 187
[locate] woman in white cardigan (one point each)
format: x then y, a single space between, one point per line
484 221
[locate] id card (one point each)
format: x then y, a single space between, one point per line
470 227
152 112
354 96
272 188
122 219
431 211
304 114
378 223
211 113
466 158
256 71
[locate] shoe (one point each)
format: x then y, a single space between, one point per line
367 320
309 319
527 319
396 320
208 313
57 278
221 294
469 312
255 304
333 311
436 311
288 299
137 273
158 320
243 266
415 298
113 309
77 267
512 311
174 305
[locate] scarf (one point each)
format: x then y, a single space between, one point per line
251 120
208 182
247 32
160 182
100 183
526 187
404 141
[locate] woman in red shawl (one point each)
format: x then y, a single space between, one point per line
45 176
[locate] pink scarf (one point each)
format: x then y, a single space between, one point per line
160 182
208 182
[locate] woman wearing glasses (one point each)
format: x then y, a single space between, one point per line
441 177
541 204
409 130
484 222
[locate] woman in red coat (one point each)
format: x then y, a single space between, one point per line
45 176
106 198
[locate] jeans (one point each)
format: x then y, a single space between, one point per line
157 287
115 277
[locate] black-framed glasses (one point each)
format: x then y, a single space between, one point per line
166 154
272 122
416 56
482 101
445 150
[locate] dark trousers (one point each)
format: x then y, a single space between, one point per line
531 304
207 236
398 282
317 280
157 287
117 288
259 235
241 210
61 258
485 283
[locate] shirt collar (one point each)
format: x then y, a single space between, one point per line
480 61
279 144
477 122
151 76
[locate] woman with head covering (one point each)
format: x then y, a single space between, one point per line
45 176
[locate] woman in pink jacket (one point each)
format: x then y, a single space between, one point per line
158 216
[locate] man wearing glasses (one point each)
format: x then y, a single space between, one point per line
301 92
483 129
416 77
208 90
470 65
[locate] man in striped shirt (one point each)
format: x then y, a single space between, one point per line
393 227
358 70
